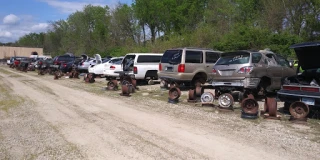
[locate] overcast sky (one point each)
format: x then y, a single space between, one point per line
20 17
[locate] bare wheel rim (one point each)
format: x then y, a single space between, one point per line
174 93
299 110
207 97
225 100
250 106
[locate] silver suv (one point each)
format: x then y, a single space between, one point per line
250 72
187 65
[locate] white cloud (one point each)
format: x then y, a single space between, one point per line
5 34
71 6
26 25
11 19
40 27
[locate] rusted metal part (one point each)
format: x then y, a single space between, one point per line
298 120
199 91
250 106
125 90
299 110
86 78
265 107
134 83
57 75
112 85
191 94
272 109
91 78
174 93
226 101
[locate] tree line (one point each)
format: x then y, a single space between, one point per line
154 26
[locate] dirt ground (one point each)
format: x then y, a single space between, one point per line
42 118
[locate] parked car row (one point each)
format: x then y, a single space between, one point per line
235 76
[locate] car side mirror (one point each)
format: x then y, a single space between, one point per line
290 64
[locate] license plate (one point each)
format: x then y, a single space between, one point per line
308 101
169 69
55 66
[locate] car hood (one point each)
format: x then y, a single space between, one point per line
308 54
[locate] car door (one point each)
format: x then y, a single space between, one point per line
274 71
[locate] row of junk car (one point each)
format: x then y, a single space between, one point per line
244 76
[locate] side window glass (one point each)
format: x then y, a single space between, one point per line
271 60
256 57
282 61
212 57
193 57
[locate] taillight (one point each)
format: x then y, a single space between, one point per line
64 65
55 62
181 68
112 67
160 67
247 69
40 62
291 88
135 70
214 71
309 89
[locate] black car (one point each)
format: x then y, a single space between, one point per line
301 93
63 62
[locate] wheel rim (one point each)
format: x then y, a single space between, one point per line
174 93
299 110
225 100
250 106
207 97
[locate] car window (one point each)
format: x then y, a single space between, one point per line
212 57
193 57
149 59
282 61
271 60
233 58
172 56
256 57
115 60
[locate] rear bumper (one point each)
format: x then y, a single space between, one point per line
291 96
251 83
110 73
176 77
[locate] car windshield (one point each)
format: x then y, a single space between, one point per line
172 57
233 58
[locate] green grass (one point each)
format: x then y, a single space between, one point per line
7 100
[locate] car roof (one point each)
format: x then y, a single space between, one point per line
144 54
195 48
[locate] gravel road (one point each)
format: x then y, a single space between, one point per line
68 119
